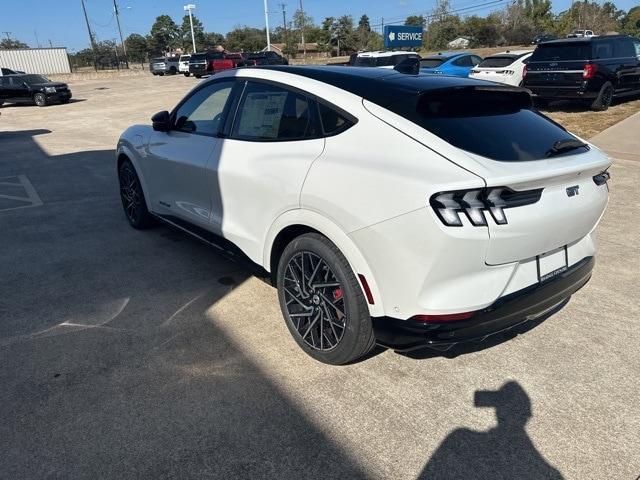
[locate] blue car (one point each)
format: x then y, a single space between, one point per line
457 64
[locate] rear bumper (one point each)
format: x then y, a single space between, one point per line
199 70
527 304
561 92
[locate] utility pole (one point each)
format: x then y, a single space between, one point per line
266 24
302 28
93 48
124 47
382 22
284 25
36 34
189 8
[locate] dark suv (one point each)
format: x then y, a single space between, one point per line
595 69
199 63
266 58
31 88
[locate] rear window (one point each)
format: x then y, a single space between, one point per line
561 51
497 62
158 59
431 62
365 62
198 56
500 125
184 58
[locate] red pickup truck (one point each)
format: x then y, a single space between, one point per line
212 62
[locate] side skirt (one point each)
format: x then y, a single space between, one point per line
224 246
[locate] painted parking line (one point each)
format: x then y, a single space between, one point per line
22 194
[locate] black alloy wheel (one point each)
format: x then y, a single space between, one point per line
314 301
132 197
322 301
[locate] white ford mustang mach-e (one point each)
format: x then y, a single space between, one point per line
407 210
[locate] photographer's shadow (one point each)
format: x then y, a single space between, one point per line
505 451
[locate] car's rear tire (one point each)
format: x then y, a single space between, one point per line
186 74
604 98
40 99
322 302
198 76
132 196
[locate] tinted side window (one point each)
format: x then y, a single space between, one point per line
463 61
603 49
384 61
271 113
202 112
332 122
475 60
624 48
5 81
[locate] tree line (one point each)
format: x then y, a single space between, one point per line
516 24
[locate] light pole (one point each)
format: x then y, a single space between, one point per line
266 24
188 8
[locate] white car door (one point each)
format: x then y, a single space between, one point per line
175 167
273 142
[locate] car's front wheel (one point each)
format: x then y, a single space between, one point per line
322 302
186 74
132 196
40 99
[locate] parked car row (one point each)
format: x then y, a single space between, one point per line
210 62
595 69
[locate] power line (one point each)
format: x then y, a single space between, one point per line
477 7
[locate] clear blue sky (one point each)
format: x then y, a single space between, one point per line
62 21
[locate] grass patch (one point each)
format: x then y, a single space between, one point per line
578 119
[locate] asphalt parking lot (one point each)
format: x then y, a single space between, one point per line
129 354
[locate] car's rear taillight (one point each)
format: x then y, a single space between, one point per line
589 70
474 203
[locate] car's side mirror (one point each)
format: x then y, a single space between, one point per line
161 121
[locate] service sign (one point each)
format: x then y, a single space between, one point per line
398 36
